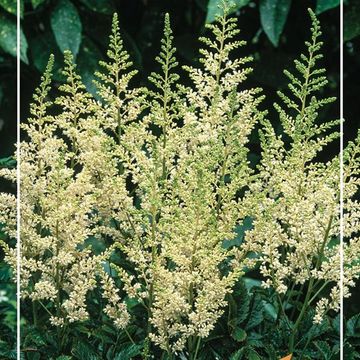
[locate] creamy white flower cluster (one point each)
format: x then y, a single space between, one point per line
58 199
296 198
8 218
161 173
173 160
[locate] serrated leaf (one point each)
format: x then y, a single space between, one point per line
244 305
128 352
66 26
214 8
256 315
336 324
324 349
101 6
273 15
84 351
324 5
353 325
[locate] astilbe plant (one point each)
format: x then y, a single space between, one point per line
57 202
158 171
296 197
161 176
186 162
8 218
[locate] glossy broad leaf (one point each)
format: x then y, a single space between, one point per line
273 15
324 5
352 21
66 26
8 38
9 5
41 47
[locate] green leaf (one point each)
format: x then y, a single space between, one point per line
41 47
66 26
352 21
353 325
240 292
36 3
8 38
7 162
253 355
214 8
128 352
237 355
324 5
239 334
270 309
273 15
251 283
9 5
256 313
83 350
8 35
23 47
101 6
324 349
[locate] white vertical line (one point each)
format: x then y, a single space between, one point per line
18 45
341 180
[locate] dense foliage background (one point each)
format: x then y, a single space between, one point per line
274 29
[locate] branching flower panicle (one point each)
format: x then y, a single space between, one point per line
296 217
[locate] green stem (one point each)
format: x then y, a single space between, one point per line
197 348
129 336
318 292
45 308
34 311
310 287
